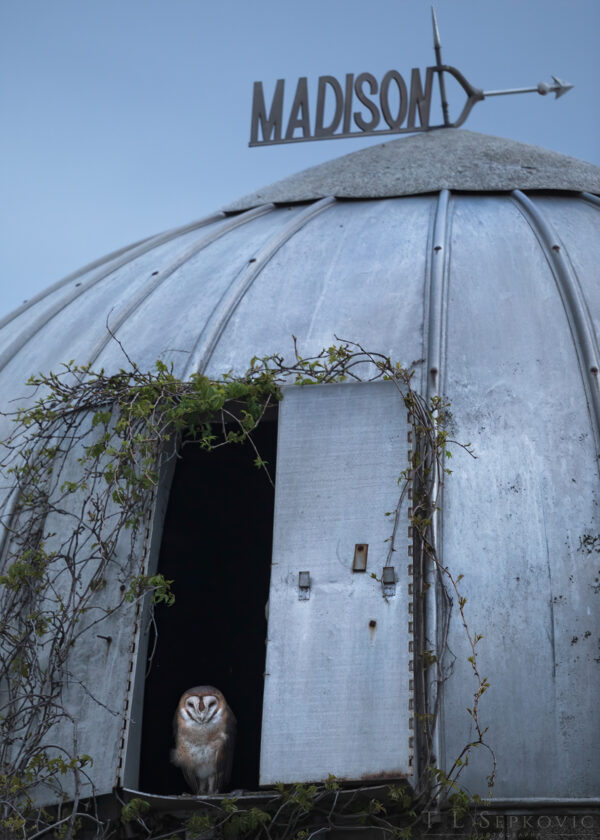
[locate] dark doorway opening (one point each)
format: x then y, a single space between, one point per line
216 547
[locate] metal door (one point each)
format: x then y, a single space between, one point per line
338 681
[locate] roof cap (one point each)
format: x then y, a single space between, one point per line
449 158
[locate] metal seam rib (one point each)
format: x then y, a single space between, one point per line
96 263
436 330
593 199
137 300
9 507
124 256
230 300
436 337
134 647
68 279
574 304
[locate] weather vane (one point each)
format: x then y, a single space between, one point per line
405 111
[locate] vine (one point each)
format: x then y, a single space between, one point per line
65 531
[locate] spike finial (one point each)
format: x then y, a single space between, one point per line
436 32
437 46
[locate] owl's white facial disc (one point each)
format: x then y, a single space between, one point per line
211 706
200 709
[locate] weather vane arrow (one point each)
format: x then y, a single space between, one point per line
558 89
474 95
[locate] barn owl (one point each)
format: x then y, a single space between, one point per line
204 728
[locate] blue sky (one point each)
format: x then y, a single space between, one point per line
122 118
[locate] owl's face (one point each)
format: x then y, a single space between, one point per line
200 706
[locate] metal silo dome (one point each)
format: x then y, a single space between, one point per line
474 259
344 246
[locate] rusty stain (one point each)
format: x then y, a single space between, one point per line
379 783
372 628
385 774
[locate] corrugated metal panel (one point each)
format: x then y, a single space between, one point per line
183 304
577 224
94 682
338 683
221 315
515 520
356 271
128 766
73 287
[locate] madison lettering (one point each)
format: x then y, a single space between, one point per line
391 99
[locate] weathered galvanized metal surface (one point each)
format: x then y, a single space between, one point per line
470 286
95 679
521 522
338 681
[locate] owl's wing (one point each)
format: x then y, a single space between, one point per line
225 755
188 772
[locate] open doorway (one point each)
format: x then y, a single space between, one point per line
216 547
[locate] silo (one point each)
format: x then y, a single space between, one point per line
470 259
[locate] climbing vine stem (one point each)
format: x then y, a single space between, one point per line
81 465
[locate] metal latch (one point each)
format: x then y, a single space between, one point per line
388 581
303 586
361 551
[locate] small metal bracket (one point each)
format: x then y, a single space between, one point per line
361 550
388 581
304 583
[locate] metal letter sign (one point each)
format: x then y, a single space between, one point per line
410 114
